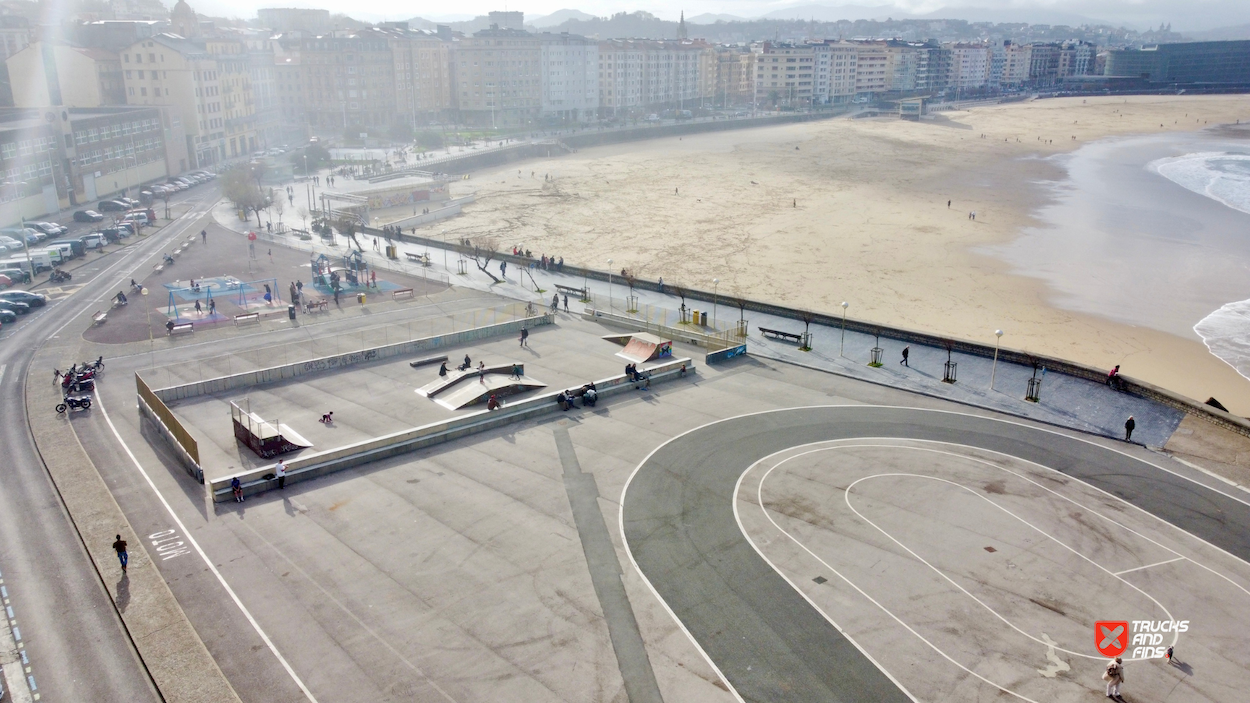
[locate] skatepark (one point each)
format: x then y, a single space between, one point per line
751 529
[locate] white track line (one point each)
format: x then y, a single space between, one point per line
628 481
208 562
1139 568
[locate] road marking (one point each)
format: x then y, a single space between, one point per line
1157 563
2 368
208 562
168 544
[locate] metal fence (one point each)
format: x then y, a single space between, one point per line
402 265
724 325
329 345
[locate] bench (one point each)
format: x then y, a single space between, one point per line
316 306
781 335
423 259
570 290
98 316
402 294
427 360
246 318
181 328
158 268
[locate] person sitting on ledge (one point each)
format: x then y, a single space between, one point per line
468 363
442 369
493 403
590 396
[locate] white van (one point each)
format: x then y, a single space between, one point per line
64 251
54 254
16 264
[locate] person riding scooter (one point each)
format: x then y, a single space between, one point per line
120 298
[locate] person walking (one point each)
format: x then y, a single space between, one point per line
373 278
503 269
516 372
906 353
204 235
237 488
198 309
120 547
525 335
1129 425
566 302
1114 676
280 472
555 302
481 372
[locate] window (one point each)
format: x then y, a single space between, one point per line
143 91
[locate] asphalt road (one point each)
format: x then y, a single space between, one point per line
75 643
768 642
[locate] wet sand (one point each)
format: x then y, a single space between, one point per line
814 214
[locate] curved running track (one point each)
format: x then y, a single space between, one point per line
769 643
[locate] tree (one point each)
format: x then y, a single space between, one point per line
240 188
401 132
348 227
429 139
279 207
484 249
680 292
808 317
303 215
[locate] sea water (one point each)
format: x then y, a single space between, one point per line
1219 175
1223 177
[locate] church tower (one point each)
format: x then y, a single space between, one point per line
681 26
183 21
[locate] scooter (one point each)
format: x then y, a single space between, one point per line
74 402
79 387
58 276
169 260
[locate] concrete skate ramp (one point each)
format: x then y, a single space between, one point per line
646 347
453 377
474 392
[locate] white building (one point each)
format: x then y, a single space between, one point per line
570 77
970 65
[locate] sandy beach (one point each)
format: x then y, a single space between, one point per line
856 210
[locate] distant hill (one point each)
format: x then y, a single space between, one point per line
1030 15
556 18
827 13
1221 34
709 18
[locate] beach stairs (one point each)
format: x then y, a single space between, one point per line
461 389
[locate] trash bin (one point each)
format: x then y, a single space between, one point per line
360 298
694 316
290 311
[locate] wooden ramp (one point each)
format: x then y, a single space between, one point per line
644 347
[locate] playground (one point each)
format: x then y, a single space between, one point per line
214 280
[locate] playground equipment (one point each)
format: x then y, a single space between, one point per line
267 439
351 274
220 289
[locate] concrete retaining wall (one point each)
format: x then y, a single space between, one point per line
313 465
450 209
300 369
723 355
588 138
188 463
676 334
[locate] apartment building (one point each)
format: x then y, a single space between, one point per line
348 81
569 75
969 65
422 74
206 86
639 75
731 82
786 74
45 74
497 77
1017 64
116 150
874 67
843 68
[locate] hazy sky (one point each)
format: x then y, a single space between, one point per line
1183 14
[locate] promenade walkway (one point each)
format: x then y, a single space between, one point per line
1064 400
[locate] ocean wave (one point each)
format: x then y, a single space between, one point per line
1226 332
1219 175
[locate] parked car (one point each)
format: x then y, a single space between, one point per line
35 300
51 229
10 242
16 275
87 216
5 281
113 206
7 316
93 240
16 306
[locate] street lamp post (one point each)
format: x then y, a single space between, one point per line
445 252
998 337
609 285
715 286
842 346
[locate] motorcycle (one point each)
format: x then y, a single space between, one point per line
94 367
69 380
78 387
75 402
58 276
